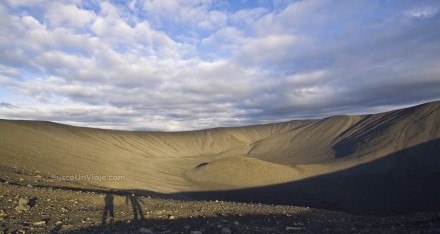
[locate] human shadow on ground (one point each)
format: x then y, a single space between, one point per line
108 210
135 206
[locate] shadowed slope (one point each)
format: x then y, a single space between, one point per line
403 182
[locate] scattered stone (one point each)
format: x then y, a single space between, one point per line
171 217
226 230
3 215
29 186
64 209
196 232
23 201
39 223
145 230
23 204
58 223
236 223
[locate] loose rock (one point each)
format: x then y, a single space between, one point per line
23 204
39 223
226 230
3 214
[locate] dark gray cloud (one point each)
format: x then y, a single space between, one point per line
6 105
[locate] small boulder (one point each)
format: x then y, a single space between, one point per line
39 223
23 204
23 201
226 230
3 214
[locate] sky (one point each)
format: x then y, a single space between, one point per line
176 65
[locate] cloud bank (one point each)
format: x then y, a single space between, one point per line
182 65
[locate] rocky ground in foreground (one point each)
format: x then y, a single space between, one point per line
28 204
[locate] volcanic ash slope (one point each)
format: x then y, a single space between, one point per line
229 158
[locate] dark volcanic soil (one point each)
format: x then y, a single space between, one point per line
56 209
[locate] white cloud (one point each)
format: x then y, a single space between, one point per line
180 65
186 12
29 3
247 16
214 19
272 48
425 12
60 15
225 41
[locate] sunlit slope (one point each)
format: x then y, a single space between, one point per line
237 172
149 160
231 157
307 143
385 133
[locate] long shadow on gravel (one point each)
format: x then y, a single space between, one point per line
237 224
406 181
269 223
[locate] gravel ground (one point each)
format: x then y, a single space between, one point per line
29 204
